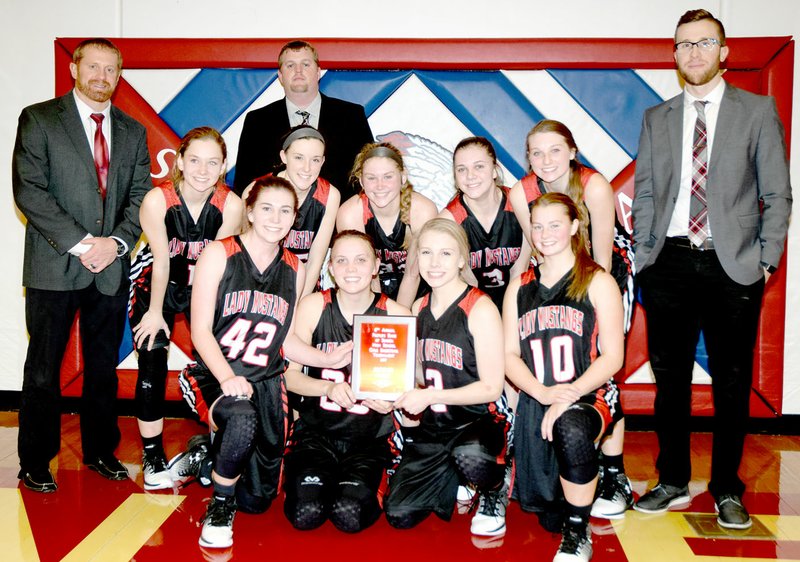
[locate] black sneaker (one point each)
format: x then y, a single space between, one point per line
194 463
576 542
732 513
38 480
154 470
615 495
218 523
108 467
662 497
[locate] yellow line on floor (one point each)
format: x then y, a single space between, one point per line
15 529
127 529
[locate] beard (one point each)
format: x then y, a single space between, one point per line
699 77
100 96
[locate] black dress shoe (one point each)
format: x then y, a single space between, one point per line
40 480
108 467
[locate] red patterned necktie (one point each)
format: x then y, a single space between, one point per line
100 154
698 208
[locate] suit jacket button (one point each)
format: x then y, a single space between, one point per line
98 221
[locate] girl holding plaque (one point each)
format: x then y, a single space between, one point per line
461 422
391 213
564 342
340 443
179 218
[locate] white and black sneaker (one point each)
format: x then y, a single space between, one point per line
615 495
194 463
156 474
465 499
218 523
576 542
490 519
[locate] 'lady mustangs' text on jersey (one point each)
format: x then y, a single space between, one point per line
389 248
253 310
558 335
492 253
309 219
323 414
446 350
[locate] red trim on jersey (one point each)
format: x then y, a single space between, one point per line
457 209
425 300
200 406
530 183
528 276
381 304
291 259
595 332
170 195
220 196
323 191
469 301
366 213
507 192
326 297
230 245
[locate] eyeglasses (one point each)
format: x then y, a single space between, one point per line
704 45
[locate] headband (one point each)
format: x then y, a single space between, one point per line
302 132
383 152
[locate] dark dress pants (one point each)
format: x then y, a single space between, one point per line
49 316
683 292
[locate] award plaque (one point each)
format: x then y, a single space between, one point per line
384 362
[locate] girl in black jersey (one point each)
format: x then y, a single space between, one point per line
557 317
302 154
391 213
179 218
553 157
461 427
339 444
498 248
246 288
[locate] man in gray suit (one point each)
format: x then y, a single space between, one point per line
80 169
711 211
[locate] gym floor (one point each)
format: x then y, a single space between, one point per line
90 518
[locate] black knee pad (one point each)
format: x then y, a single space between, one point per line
236 421
151 384
355 509
405 518
248 503
304 506
574 433
478 467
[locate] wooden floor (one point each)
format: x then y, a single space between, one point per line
90 518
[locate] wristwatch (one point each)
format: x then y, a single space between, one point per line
121 249
769 268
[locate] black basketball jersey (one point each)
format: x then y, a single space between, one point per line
254 311
323 414
446 350
187 238
492 253
389 248
558 334
309 218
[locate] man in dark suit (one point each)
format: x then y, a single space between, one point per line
343 124
80 169
711 209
